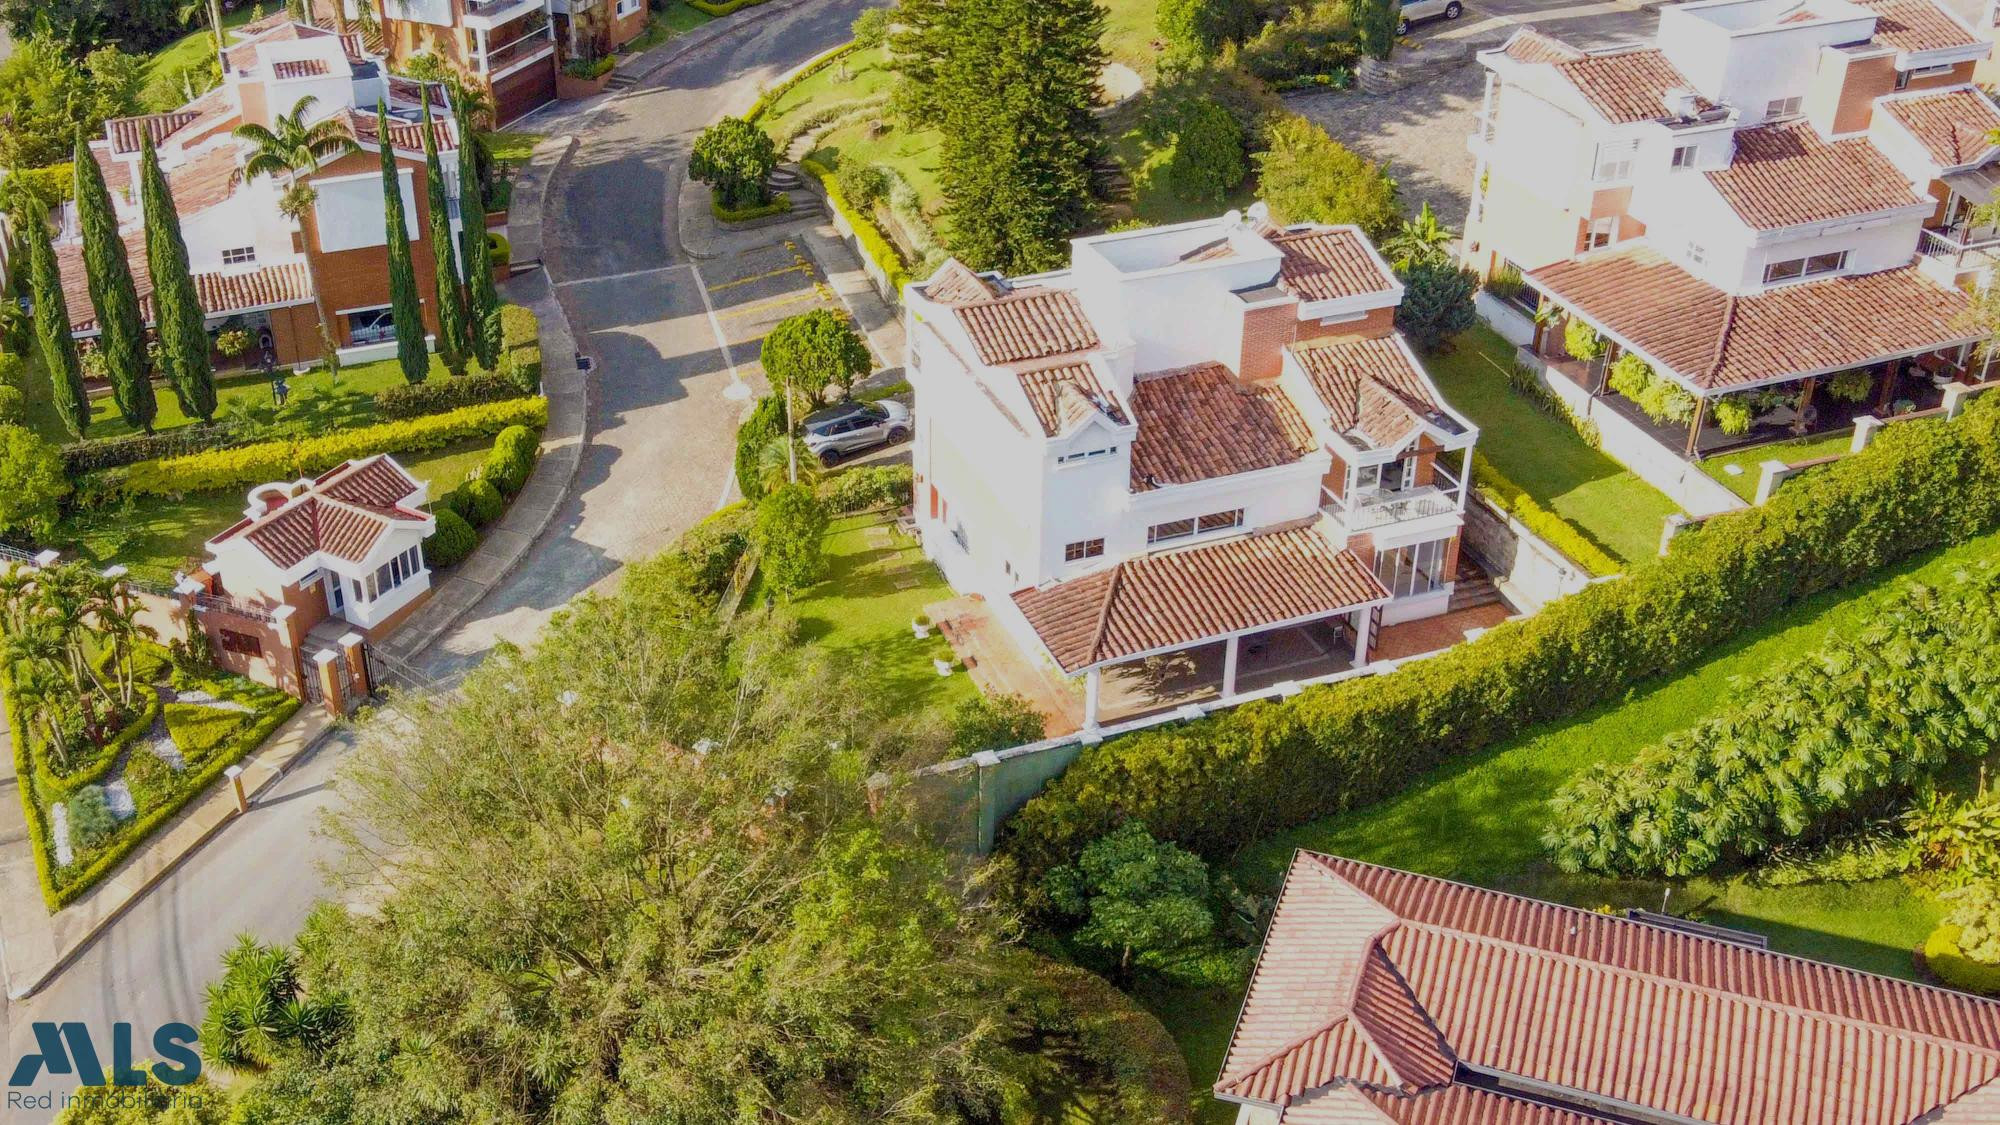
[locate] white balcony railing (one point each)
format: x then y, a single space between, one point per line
1377 508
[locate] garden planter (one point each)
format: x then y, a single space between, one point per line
943 666
569 87
921 629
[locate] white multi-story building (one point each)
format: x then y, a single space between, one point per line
1771 192
1193 434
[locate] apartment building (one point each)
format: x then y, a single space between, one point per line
253 266
1193 435
1383 997
512 48
1770 193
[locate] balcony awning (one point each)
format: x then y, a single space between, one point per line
1177 599
1978 185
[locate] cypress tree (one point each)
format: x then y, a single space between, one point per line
406 310
482 303
176 306
454 343
52 326
121 328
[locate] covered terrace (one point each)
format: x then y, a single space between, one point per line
1795 360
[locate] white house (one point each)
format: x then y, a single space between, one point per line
1772 192
1194 434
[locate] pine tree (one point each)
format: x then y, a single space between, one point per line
1016 168
113 296
482 303
52 326
406 309
177 309
454 336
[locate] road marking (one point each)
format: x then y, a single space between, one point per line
715 325
626 274
776 302
802 267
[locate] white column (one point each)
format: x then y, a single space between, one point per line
1465 478
1363 620
1229 666
480 34
1091 681
1864 432
1771 473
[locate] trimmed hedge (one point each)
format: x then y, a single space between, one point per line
482 502
770 97
521 348
512 459
451 542
289 460
779 205
434 396
1948 963
1128 1057
1218 783
1501 492
54 786
857 490
724 8
92 454
499 252
872 240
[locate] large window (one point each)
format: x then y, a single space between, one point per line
1614 161
1194 525
371 326
1414 569
239 256
243 644
1603 232
1684 156
389 575
1794 268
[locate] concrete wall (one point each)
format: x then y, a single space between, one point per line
1525 567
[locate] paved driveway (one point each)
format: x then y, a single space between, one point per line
1420 132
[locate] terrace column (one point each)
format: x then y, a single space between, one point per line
1091 685
1465 479
1363 620
1804 404
1694 428
1890 372
332 685
1229 666
353 650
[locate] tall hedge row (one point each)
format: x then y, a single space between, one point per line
1224 781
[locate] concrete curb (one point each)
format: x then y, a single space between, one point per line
209 814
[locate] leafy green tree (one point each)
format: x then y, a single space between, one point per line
995 722
406 308
1421 239
1207 158
200 1102
915 51
1437 302
113 295
292 149
1199 28
32 482
1137 895
813 351
52 330
734 157
1307 176
1975 910
481 300
765 424
81 25
47 97
177 310
257 1014
454 329
790 534
1375 24
871 28
1016 84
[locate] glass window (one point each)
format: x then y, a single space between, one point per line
1603 232
1367 477
1826 263
1697 253
1785 271
371 326
244 644
1172 529
1614 161
1684 156
1086 455
1218 521
240 255
1783 107
1414 569
1083 549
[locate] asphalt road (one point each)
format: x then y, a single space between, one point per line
661 440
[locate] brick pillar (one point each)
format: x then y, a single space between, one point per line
352 648
332 685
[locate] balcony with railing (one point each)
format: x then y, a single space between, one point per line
1948 255
493 13
1371 508
508 48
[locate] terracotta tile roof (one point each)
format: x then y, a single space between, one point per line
117 173
406 136
344 513
126 133
1916 25
214 111
1530 46
219 293
1064 395
1370 386
1328 262
1717 341
955 284
1027 324
1592 1004
205 181
1785 175
1178 598
1198 423
243 56
1952 125
299 68
377 480
1626 86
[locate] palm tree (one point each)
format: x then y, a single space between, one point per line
119 625
1417 240
213 10
38 654
292 149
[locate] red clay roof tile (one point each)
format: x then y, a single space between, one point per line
1324 264
1916 25
1954 126
219 293
956 284
1027 324
1370 386
1198 423
1785 175
1066 394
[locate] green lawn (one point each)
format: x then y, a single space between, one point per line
1744 484
510 146
678 18
859 76
1129 33
154 536
1539 452
877 582
1479 820
318 402
1152 200
160 92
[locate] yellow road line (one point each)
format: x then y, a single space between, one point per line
775 302
801 267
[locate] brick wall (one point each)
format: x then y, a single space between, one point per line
627 28
359 278
1378 322
1266 331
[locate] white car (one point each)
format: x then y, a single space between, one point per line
1416 11
852 427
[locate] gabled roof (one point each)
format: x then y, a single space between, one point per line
405 136
1371 387
1197 423
1027 324
343 514
956 284
1953 125
1719 342
1177 598
1916 25
128 133
219 292
1592 1005
1325 263
1625 85
1785 175
1064 395
243 56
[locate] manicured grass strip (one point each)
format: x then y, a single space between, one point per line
1543 456
1744 484
512 146
197 730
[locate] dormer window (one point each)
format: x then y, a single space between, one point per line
1905 77
1780 108
1792 269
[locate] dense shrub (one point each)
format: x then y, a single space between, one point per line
90 819
1497 489
1199 28
512 459
1307 176
995 722
32 484
13 406
105 453
1944 958
1316 37
777 205
790 534
734 158
857 490
1236 776
1206 160
451 542
1437 302
765 424
289 460
433 396
712 548
518 327
1581 341
499 252
864 185
483 502
150 779
873 242
1122 1058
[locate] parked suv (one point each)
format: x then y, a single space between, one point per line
1415 11
850 427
